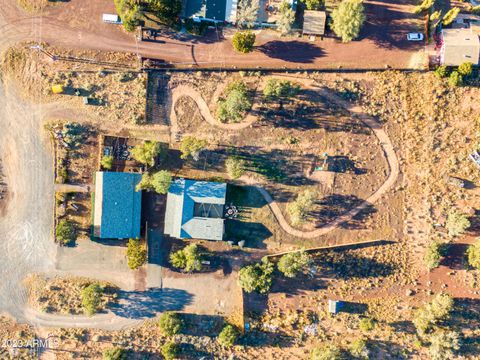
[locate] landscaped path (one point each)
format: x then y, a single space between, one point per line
186 90
356 110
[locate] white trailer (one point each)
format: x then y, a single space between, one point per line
111 19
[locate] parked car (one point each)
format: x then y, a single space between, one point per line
414 36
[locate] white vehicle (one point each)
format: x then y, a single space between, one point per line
414 36
111 19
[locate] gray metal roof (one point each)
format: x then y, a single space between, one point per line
195 210
459 46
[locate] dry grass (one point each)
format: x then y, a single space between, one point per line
63 295
34 6
118 95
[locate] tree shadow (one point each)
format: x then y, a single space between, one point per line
387 26
147 304
466 316
292 51
358 221
388 350
335 205
253 233
350 266
404 326
202 325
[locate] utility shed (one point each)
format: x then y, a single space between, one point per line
117 209
459 46
195 210
314 22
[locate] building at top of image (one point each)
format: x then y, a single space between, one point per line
195 210
211 10
459 46
117 208
460 43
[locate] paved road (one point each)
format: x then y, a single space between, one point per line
77 23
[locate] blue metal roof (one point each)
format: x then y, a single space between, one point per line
120 205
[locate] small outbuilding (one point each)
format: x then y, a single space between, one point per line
118 206
195 210
314 22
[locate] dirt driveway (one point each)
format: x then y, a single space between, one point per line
26 243
78 24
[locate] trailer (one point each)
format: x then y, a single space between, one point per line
111 19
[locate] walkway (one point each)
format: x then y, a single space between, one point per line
384 140
71 188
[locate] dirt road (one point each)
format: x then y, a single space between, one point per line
78 24
25 231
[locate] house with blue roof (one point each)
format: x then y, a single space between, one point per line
195 210
210 10
118 206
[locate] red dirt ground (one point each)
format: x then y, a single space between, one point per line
78 23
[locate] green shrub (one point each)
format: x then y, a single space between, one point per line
450 16
443 344
189 258
159 182
277 89
136 254
257 277
286 18
299 209
191 146
313 4
348 19
170 323
457 223
74 134
228 336
147 152
293 263
235 103
431 313
441 71
115 353
235 167
455 79
434 254
328 352
65 232
366 324
170 350
465 69
91 298
473 254
107 162
424 6
243 41
359 350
